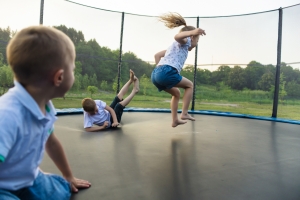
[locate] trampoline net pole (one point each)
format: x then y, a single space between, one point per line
120 53
41 12
195 72
277 75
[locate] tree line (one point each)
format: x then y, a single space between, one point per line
97 66
255 76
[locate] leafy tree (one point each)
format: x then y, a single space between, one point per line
104 85
115 84
253 74
96 60
203 76
236 78
1 59
6 77
297 72
92 90
76 36
93 80
221 86
5 36
131 61
78 68
292 89
85 81
289 73
282 91
102 61
77 82
78 77
221 74
266 81
145 83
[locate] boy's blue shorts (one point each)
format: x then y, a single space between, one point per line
165 77
45 186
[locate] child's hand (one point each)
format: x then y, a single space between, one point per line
105 124
115 124
78 183
198 31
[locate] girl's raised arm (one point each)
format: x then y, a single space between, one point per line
181 37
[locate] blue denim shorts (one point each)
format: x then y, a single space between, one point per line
45 186
165 77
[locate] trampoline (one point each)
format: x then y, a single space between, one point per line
215 157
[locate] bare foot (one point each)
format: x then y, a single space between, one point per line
178 122
132 76
187 117
136 84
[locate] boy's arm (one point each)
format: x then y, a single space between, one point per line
113 115
159 55
57 154
97 128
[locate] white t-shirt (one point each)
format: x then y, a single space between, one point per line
99 118
176 55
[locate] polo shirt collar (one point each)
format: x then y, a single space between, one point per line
27 101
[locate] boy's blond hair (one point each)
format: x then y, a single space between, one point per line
37 52
88 105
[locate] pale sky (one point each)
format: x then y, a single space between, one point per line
229 40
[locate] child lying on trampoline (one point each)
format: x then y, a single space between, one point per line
96 112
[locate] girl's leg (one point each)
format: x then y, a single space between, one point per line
174 106
125 88
187 85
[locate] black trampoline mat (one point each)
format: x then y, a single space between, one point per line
213 158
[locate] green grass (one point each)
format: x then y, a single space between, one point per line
262 107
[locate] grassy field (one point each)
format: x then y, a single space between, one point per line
73 100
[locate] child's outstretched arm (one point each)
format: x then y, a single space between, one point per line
181 37
57 154
113 115
159 55
97 128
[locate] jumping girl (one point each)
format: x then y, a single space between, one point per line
166 75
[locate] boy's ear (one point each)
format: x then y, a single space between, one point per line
58 77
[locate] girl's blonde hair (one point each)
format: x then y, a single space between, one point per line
173 20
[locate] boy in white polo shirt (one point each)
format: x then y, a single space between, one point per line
42 59
96 112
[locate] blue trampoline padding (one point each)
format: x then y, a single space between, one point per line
69 111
